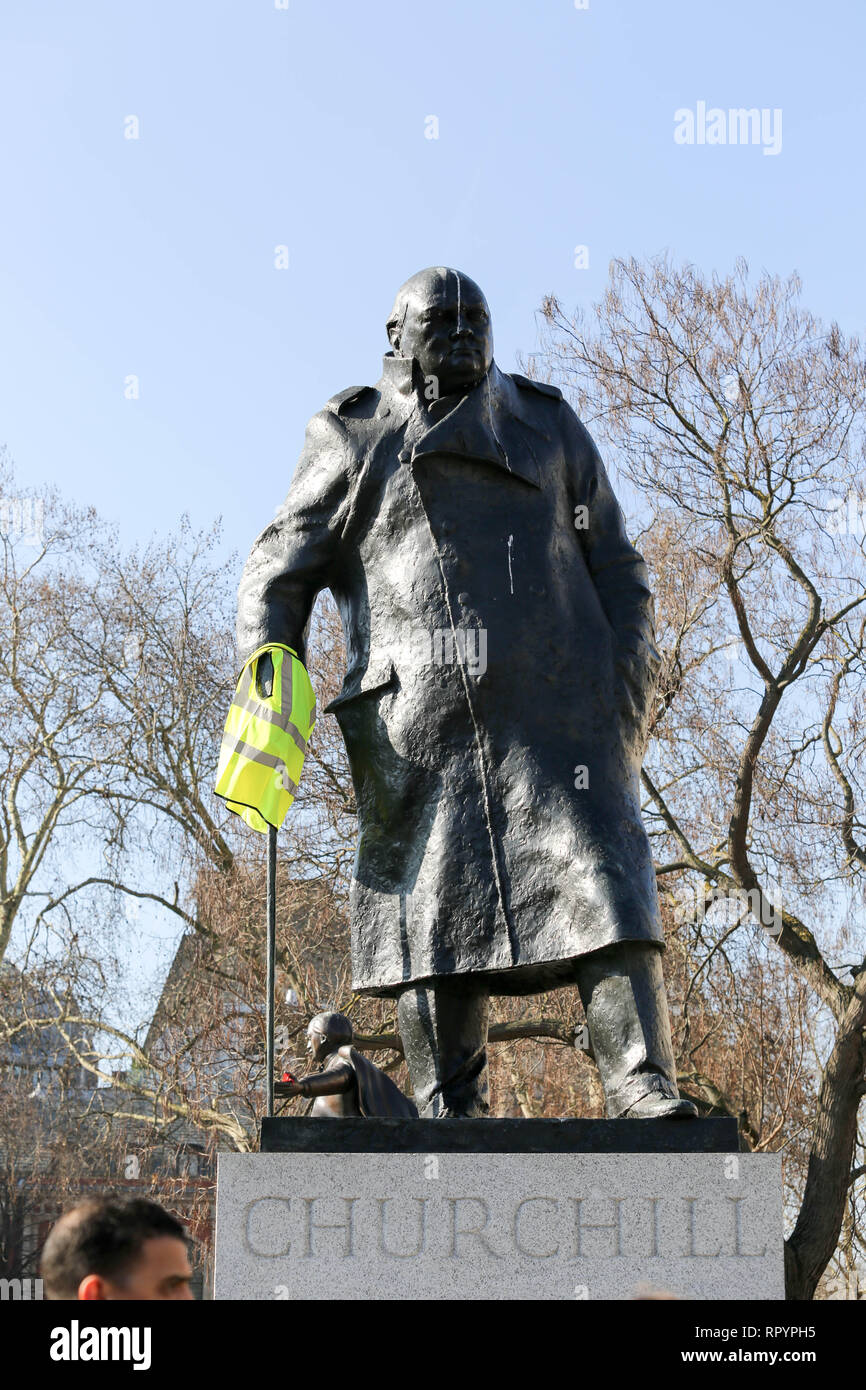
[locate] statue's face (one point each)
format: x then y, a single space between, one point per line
447 330
317 1044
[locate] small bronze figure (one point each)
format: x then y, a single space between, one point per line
347 1083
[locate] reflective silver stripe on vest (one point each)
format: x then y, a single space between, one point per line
255 755
270 716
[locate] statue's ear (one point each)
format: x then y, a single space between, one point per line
394 336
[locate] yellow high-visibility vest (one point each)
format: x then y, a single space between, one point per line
265 739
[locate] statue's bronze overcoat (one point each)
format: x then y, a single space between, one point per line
499 818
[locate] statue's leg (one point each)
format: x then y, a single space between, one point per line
443 1025
623 994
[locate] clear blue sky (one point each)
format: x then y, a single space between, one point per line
306 126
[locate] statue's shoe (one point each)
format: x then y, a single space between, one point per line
659 1107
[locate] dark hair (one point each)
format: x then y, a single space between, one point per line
102 1237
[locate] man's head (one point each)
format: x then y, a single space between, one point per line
326 1032
116 1249
441 319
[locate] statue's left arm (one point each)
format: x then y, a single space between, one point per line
618 573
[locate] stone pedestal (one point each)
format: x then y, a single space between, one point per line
489 1209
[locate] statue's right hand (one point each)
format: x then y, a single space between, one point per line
288 1087
265 676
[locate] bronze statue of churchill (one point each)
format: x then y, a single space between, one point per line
500 666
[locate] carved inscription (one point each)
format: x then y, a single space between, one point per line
477 1228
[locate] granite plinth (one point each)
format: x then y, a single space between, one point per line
508 1225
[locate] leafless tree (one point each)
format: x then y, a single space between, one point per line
738 420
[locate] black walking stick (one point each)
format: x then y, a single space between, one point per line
272 955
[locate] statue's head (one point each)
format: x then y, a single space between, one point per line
327 1032
441 319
